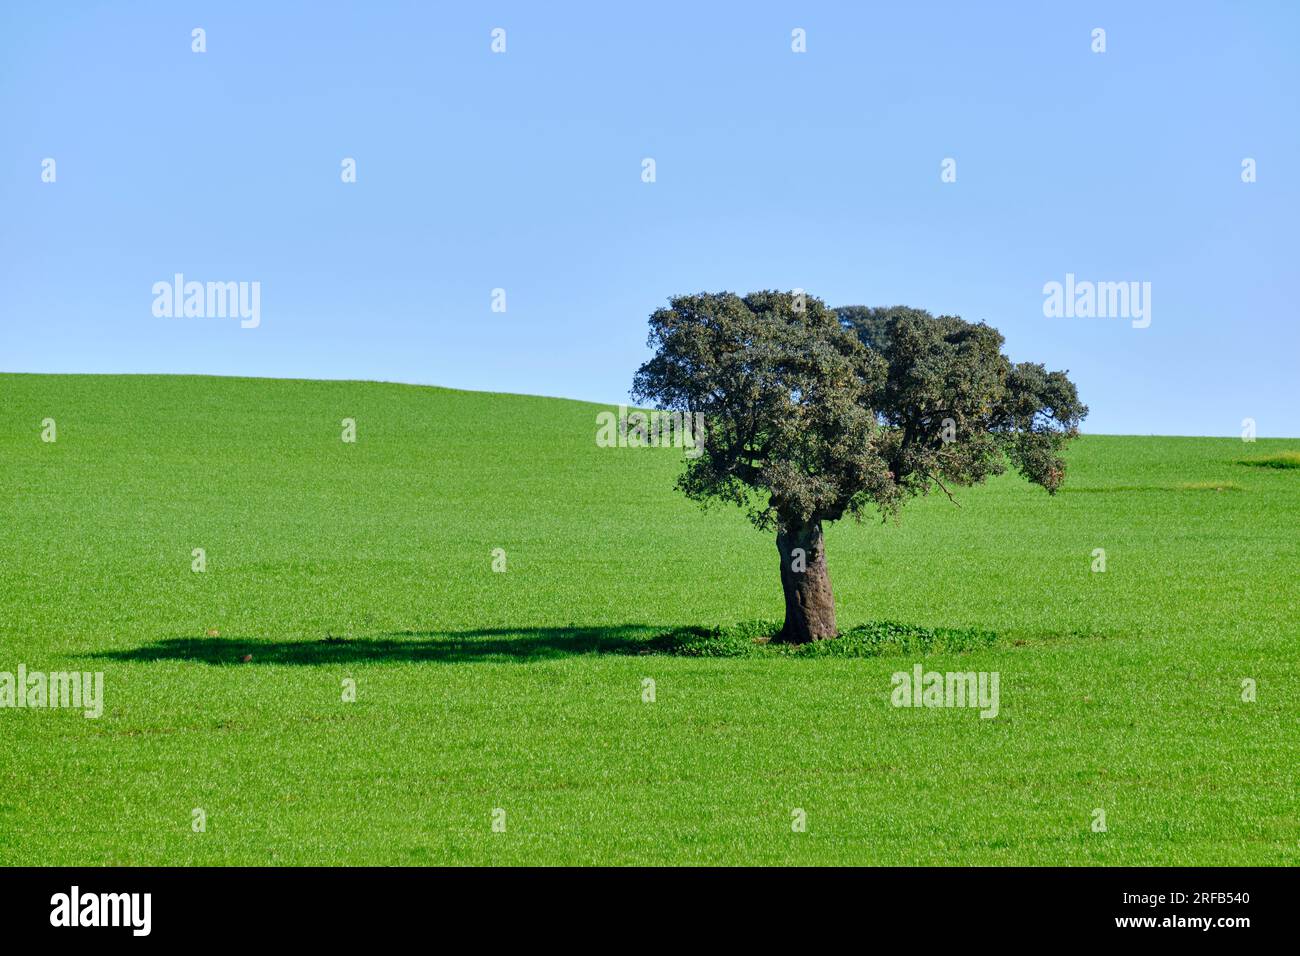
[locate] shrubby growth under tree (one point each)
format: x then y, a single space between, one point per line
812 414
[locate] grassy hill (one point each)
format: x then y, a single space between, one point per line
372 562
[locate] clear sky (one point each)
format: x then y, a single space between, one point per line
774 169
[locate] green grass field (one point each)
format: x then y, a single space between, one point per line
522 690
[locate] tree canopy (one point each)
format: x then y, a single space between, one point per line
813 413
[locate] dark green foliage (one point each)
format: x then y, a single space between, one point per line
954 406
786 394
813 413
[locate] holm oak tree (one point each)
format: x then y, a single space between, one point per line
812 414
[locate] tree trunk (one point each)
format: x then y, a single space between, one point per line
809 604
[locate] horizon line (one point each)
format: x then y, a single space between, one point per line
477 391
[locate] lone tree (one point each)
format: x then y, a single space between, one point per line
813 414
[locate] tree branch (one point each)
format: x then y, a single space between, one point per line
936 480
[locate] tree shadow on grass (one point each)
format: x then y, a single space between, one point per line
746 639
484 644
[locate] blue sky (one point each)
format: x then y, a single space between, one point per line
774 169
